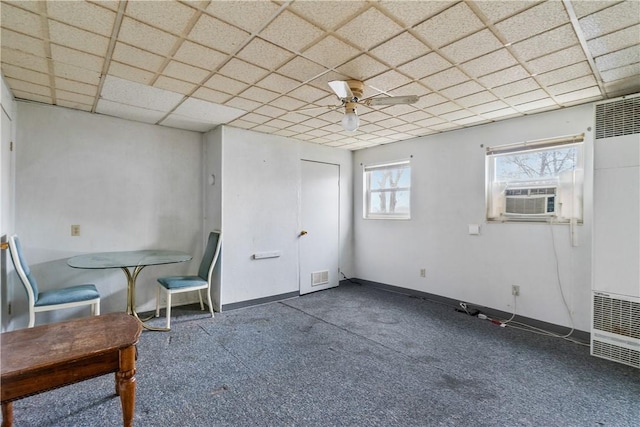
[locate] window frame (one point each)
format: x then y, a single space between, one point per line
368 191
569 184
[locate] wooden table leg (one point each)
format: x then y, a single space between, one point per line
7 414
127 384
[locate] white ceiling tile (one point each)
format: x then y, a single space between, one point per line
426 65
242 103
369 29
502 113
83 15
453 24
218 35
618 59
443 108
400 49
23 86
74 97
526 97
622 86
199 56
146 37
582 8
128 112
130 73
207 111
445 126
490 63
77 87
19 94
258 94
139 95
615 41
77 58
611 19
565 73
181 71
486 108
498 10
586 94
429 100
74 105
476 99
557 60
288 103
21 21
211 95
277 83
243 71
412 12
25 60
515 88
78 39
472 46
508 75
362 68
72 72
328 14
248 15
25 75
172 17
467 88
573 85
175 85
137 57
387 81
535 106
291 32
270 111
301 69
181 122
256 118
331 52
23 43
307 93
545 43
264 54
535 20
225 84
243 124
446 78
632 71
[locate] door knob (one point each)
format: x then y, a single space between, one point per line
303 232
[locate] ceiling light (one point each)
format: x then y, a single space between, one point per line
350 121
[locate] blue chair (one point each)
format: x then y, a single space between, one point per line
57 299
177 284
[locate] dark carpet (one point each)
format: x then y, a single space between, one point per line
351 356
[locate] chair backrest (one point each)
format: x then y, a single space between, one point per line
23 270
210 256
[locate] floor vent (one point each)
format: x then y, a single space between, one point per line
319 278
618 118
615 334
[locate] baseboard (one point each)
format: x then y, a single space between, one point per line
258 301
491 312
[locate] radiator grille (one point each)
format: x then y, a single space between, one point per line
616 353
616 316
618 118
319 278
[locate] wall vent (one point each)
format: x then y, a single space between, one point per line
615 333
618 118
319 278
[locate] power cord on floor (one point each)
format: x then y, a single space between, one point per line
348 279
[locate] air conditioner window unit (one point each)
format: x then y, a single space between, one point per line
615 332
531 201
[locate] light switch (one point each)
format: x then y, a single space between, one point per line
474 229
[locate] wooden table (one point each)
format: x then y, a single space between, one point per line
38 359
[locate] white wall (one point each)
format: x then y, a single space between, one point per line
213 202
260 211
448 179
128 185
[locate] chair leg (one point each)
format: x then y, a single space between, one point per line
158 301
200 298
209 301
32 318
95 308
168 310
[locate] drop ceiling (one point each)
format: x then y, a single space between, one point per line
265 65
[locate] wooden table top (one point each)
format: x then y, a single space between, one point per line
58 343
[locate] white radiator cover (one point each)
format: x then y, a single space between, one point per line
615 332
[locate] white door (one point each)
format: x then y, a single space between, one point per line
319 220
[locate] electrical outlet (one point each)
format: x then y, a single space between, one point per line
423 272
75 230
9 309
515 290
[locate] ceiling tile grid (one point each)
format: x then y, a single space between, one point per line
265 65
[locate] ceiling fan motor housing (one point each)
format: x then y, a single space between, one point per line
357 88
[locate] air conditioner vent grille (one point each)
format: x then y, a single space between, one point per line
319 278
618 118
616 316
616 353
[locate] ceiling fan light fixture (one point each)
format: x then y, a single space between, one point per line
350 120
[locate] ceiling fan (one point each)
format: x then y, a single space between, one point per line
350 93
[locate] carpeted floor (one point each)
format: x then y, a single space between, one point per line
351 356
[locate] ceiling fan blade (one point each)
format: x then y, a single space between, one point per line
392 100
341 89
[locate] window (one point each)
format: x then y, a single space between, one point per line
536 181
387 190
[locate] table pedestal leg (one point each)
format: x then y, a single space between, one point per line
7 414
127 384
131 297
